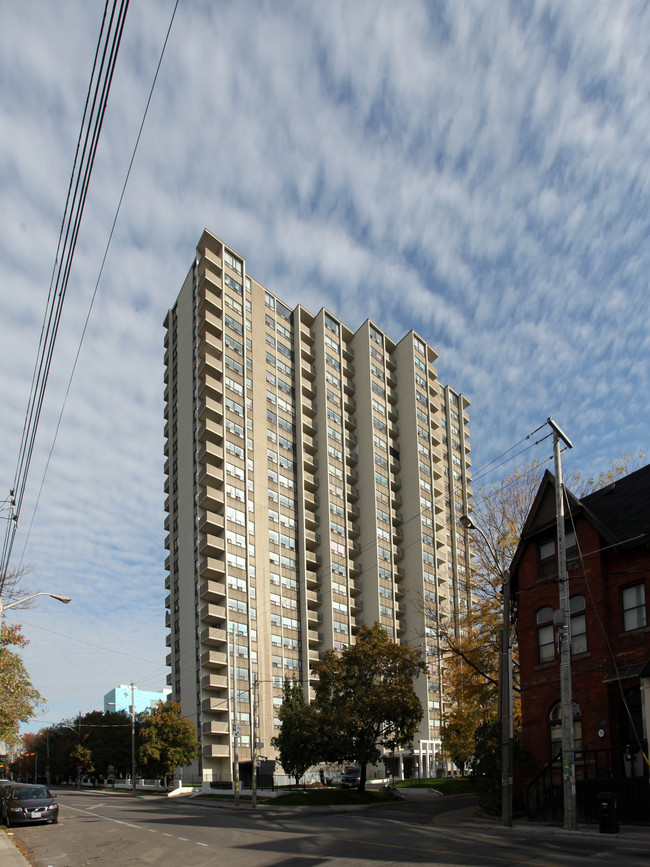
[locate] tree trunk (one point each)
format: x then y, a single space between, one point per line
362 779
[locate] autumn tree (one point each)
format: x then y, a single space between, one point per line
297 742
167 740
366 699
18 697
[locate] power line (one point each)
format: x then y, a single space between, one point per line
99 277
106 52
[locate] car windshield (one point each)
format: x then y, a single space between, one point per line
29 793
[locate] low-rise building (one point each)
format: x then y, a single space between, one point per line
608 560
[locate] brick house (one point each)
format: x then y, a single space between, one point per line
608 557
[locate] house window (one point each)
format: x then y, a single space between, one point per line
555 728
548 556
634 616
545 638
578 624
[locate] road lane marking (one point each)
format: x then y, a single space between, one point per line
106 818
129 825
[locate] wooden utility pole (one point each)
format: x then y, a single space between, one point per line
563 621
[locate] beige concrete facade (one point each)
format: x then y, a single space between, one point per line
314 478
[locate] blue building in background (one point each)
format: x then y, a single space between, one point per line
119 698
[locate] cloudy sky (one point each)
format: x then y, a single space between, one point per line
477 171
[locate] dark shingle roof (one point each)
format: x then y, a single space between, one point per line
624 505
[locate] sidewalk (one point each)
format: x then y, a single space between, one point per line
10 854
470 817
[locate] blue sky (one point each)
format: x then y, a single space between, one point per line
476 171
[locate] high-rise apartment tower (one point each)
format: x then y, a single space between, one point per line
314 480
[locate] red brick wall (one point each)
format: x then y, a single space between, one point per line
601 580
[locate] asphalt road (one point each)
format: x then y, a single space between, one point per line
111 830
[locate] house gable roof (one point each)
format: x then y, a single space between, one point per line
620 512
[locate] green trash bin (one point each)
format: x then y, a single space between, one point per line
607 816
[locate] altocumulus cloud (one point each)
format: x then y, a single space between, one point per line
477 172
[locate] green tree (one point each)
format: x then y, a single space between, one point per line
108 737
366 699
18 696
167 740
83 760
297 743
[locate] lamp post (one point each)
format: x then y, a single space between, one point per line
505 681
64 599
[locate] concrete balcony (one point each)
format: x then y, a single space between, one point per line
310 462
212 567
213 637
306 334
209 408
209 324
353 510
210 453
211 386
210 351
308 370
216 751
310 481
217 682
215 592
209 272
210 476
214 705
313 560
213 613
211 498
215 727
211 522
212 546
311 500
213 659
312 540
309 444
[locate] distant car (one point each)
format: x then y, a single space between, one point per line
351 778
22 802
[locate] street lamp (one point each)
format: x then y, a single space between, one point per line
64 599
505 681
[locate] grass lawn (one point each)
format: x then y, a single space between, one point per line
446 785
318 796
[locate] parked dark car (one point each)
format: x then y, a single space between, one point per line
24 802
351 778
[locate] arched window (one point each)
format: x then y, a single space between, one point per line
555 728
545 642
578 624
